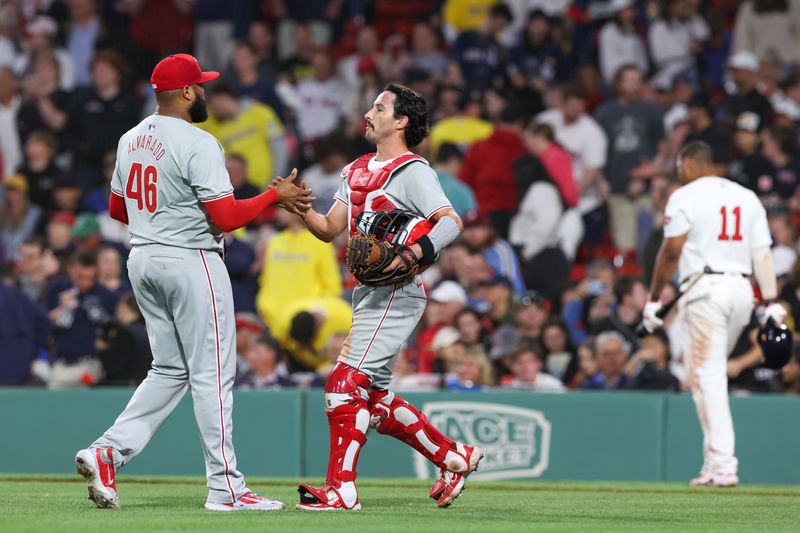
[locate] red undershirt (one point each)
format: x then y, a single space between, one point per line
227 213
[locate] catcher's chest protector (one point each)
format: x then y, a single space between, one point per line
366 187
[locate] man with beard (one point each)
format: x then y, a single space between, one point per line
171 187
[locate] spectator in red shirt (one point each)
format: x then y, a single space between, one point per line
161 27
488 168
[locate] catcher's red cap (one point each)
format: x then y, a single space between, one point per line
179 70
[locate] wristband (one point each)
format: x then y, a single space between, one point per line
428 252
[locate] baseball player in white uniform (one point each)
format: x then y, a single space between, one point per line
171 187
716 233
357 393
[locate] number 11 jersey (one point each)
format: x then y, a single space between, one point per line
724 224
165 168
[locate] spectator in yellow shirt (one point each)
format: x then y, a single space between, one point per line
249 128
464 15
305 327
463 129
296 266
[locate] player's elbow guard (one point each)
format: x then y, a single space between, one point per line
456 219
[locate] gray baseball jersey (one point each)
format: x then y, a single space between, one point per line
384 317
165 168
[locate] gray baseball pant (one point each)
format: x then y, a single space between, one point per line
383 319
186 300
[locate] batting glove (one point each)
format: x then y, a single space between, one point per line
650 319
775 311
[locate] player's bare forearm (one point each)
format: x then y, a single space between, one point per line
666 262
749 359
327 227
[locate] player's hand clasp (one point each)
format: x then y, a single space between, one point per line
294 199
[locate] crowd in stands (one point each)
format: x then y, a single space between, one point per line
555 125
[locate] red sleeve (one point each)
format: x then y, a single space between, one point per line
116 207
228 213
559 165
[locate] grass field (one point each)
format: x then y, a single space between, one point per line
159 504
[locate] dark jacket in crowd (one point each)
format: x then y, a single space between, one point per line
652 377
95 125
94 311
239 258
23 331
128 357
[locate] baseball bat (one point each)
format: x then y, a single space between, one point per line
661 313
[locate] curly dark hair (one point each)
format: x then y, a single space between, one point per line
409 103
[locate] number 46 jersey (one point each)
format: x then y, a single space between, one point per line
165 168
724 223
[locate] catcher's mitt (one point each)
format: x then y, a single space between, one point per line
367 257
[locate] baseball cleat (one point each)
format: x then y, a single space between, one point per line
450 484
99 475
725 480
717 480
702 480
250 501
325 498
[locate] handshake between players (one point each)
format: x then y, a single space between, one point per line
294 199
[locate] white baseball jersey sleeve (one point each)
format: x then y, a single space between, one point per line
165 168
724 223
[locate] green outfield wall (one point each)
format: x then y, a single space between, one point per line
576 436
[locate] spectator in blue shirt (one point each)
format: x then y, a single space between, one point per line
246 80
266 370
79 308
23 332
612 356
239 258
448 165
474 372
84 31
481 237
477 58
537 61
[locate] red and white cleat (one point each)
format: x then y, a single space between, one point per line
325 498
100 476
249 502
450 484
715 480
725 481
702 480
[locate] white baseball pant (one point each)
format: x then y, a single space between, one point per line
715 312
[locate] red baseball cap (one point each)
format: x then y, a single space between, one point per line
64 217
179 70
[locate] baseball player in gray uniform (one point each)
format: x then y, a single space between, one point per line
357 393
171 187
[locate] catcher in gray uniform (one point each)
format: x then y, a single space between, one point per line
399 219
